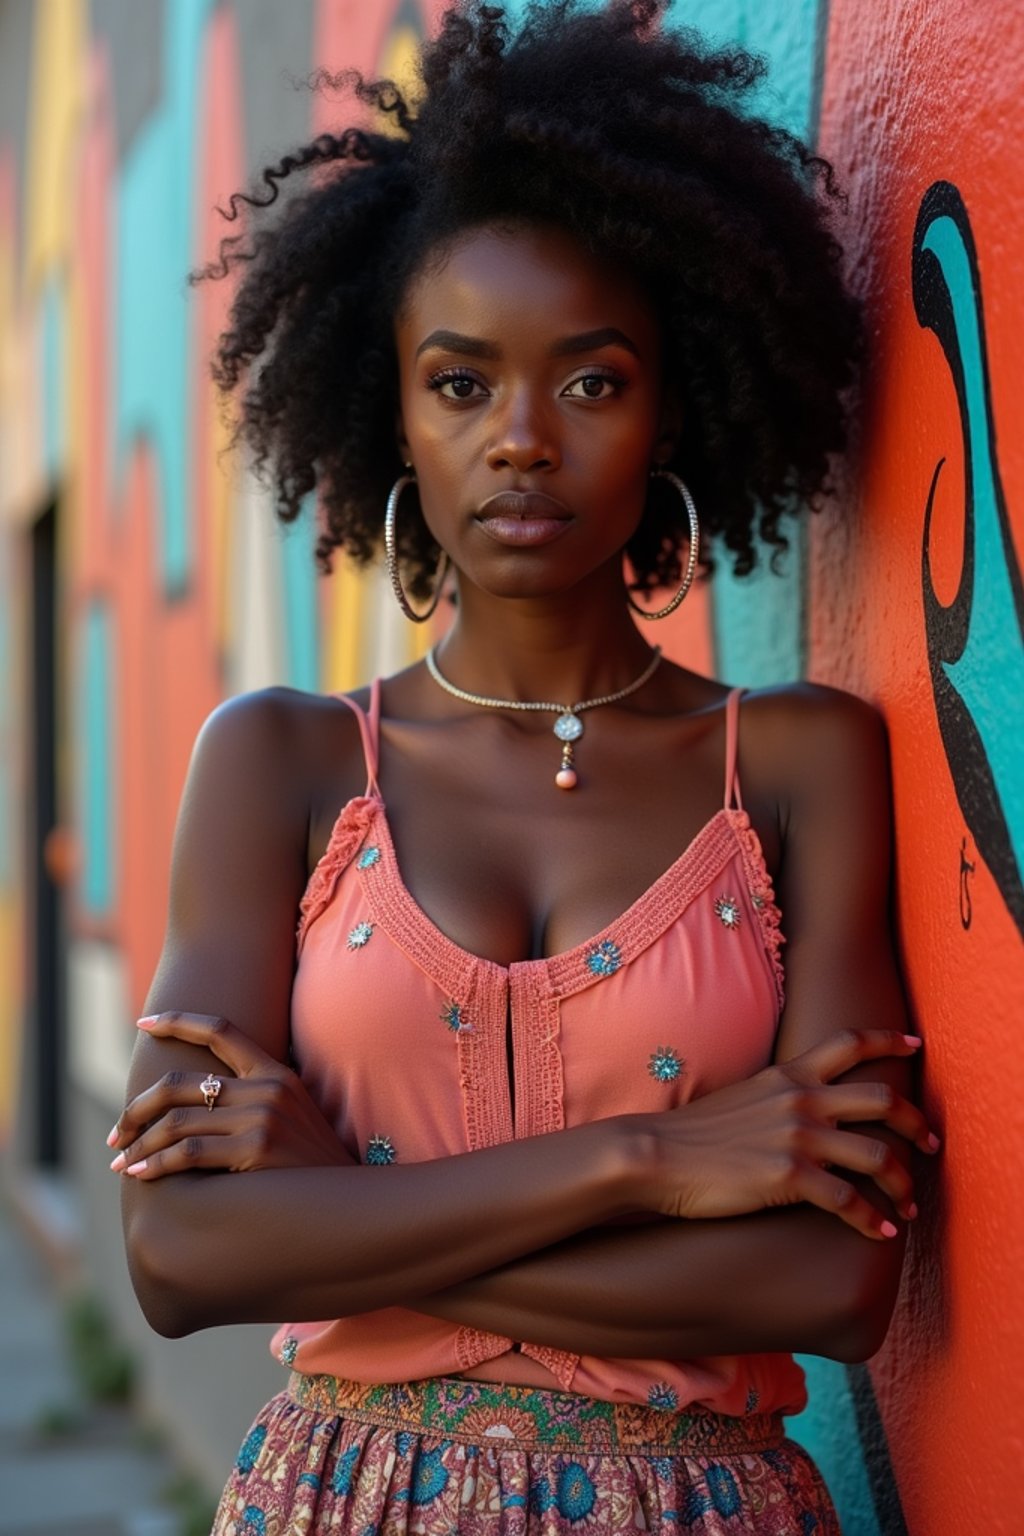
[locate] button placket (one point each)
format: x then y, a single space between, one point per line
536 1050
481 1056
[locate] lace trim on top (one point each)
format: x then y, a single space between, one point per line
475 1345
560 1362
347 833
641 925
761 888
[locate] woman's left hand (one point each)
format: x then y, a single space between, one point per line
261 1117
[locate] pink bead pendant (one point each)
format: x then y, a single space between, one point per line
565 778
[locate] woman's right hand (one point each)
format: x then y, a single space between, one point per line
766 1141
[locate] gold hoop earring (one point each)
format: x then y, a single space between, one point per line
391 556
691 563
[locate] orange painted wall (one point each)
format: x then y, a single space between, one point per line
916 94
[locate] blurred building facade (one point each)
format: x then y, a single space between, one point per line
142 580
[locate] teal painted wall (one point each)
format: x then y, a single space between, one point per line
759 627
154 251
759 620
97 788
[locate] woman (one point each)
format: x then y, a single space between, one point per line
521 1112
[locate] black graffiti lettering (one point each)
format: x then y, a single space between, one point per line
950 629
966 870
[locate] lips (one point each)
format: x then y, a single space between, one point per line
523 519
528 506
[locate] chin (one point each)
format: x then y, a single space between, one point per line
521 580
532 574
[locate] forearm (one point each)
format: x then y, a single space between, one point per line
782 1280
331 1242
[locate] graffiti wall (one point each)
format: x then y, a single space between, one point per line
122 126
915 600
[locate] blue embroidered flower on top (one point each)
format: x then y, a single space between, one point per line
661 1395
368 858
604 959
380 1150
360 935
452 1015
728 909
289 1349
665 1065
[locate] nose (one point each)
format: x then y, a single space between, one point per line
524 435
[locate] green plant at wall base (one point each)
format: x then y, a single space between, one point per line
191 1501
104 1368
59 1421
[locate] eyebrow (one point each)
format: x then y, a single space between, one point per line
475 346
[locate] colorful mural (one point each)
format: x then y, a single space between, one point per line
977 678
176 588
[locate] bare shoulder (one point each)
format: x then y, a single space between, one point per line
282 743
798 739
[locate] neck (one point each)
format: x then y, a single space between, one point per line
563 649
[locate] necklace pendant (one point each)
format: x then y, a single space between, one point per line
568 727
565 778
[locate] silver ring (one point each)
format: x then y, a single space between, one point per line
209 1088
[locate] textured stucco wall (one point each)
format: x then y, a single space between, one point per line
175 590
921 110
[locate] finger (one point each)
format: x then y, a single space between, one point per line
228 1043
176 1089
874 1101
226 1153
170 1128
868 1101
848 1048
842 1199
870 1155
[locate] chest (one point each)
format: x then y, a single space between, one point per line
510 867
395 1025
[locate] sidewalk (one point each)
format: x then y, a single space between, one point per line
66 1468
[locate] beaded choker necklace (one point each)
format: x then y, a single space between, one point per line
568 727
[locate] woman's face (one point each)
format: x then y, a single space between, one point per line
531 407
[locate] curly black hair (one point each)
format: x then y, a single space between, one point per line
633 138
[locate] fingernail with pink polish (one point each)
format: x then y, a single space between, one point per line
118 1163
137 1167
887 1228
149 1020
112 1138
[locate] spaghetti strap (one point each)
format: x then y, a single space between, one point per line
369 733
732 723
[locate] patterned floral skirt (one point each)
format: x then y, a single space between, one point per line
446 1455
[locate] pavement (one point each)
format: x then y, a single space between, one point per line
67 1467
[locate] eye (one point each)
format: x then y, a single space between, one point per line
460 381
595 386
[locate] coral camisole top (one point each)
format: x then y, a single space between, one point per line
401 1037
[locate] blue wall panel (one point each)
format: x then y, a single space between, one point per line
98 756
155 249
